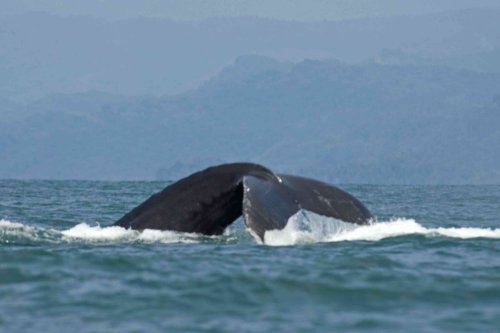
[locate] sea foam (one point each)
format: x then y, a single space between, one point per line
13 232
307 227
303 227
113 234
6 224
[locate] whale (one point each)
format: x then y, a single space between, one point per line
208 201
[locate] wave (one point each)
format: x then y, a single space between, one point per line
13 232
302 228
308 227
85 232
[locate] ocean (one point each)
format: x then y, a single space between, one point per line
430 262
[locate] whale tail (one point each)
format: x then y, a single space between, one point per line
208 201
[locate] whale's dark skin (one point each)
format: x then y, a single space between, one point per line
208 201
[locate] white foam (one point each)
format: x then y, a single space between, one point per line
380 230
5 224
303 227
98 233
154 236
10 231
13 230
468 232
307 227
114 234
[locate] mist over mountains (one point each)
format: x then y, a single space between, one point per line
42 54
364 123
401 99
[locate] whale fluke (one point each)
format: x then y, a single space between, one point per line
268 205
208 201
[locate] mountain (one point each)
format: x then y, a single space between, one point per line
327 119
43 54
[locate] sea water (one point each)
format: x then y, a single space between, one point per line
429 262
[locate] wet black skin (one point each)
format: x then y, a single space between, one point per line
207 201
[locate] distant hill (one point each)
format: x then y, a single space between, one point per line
342 123
41 54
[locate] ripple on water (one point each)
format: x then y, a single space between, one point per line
435 270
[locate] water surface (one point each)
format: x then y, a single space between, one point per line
429 263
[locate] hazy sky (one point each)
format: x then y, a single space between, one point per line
281 9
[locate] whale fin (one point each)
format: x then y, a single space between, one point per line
325 199
205 202
268 204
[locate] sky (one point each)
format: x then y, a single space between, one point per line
303 10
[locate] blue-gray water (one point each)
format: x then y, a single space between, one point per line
430 264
